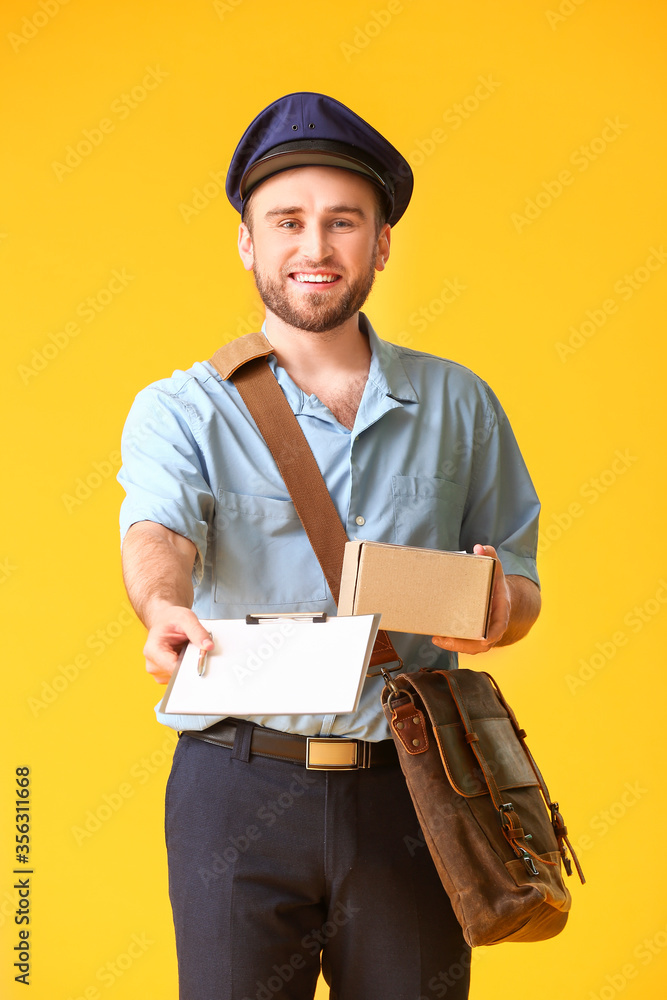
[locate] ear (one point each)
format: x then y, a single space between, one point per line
383 244
246 249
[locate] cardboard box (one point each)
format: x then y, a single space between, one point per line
418 590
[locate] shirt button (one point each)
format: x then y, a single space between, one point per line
360 520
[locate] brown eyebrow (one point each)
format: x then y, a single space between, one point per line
330 209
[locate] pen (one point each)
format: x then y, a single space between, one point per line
201 662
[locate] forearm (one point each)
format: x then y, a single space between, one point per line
525 604
157 569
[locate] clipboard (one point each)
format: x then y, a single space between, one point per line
274 664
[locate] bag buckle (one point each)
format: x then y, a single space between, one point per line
506 822
335 754
505 807
528 862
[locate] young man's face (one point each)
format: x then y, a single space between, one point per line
314 248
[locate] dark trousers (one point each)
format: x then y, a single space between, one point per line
273 868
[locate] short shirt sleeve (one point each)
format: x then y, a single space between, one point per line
502 508
163 472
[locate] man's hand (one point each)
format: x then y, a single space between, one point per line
515 605
171 628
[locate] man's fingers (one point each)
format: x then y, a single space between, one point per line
166 638
183 624
470 646
161 658
159 675
198 636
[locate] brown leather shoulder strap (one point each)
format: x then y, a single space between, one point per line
273 415
245 362
231 356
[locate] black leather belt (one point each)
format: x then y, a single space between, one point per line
315 752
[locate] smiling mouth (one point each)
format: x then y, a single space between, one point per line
310 280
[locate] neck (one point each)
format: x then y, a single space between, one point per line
311 357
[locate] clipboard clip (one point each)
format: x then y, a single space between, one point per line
297 616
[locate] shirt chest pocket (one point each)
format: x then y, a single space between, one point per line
263 557
427 511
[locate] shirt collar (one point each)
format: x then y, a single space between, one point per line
387 371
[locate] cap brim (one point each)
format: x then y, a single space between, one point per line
276 162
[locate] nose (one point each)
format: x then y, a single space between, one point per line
315 243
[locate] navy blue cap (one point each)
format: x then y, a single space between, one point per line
306 129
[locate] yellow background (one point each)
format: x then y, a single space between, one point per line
588 683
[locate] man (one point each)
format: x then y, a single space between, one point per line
275 866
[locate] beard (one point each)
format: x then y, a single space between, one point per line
315 312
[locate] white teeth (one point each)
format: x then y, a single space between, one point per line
315 277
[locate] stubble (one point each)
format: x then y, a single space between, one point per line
314 312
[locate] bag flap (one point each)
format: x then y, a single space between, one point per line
497 738
502 750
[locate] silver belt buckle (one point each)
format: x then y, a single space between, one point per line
323 754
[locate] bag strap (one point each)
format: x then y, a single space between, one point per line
245 361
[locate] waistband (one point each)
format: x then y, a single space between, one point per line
316 753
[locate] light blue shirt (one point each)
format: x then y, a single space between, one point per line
431 461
